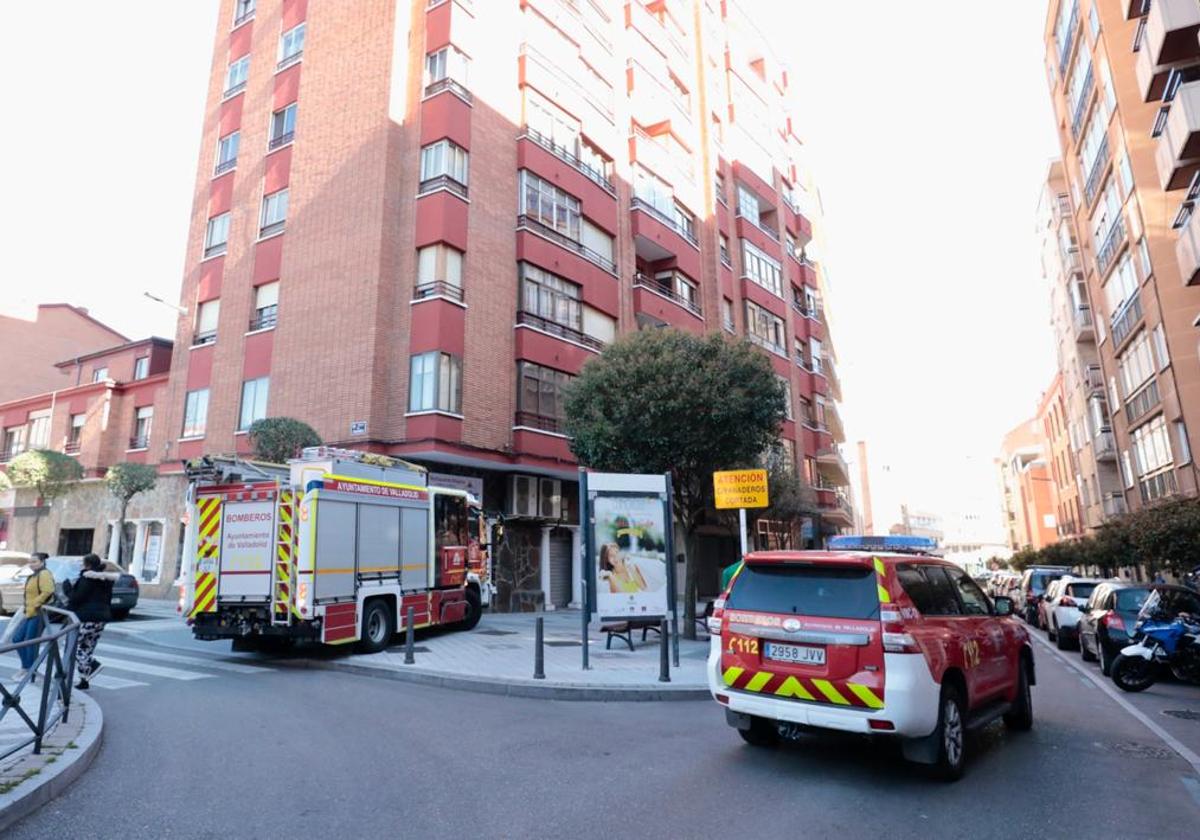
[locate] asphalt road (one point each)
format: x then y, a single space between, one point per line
300 753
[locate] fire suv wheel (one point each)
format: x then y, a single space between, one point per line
474 609
951 736
761 732
1020 718
378 627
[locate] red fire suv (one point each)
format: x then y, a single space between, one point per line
873 635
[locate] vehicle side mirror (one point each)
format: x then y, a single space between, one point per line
1003 604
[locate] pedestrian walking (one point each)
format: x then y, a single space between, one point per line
90 599
39 590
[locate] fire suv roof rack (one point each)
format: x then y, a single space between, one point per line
321 453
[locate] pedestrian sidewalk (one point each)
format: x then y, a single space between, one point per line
28 781
498 657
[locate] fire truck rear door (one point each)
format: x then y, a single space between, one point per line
334 562
247 546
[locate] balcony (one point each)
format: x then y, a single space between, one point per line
554 328
1125 319
565 155
669 287
1104 446
1096 174
71 447
1169 36
686 231
437 288
1066 48
833 419
442 182
757 224
1187 249
1093 379
531 224
1081 107
1082 322
1177 155
832 465
834 505
1143 402
1113 504
1111 246
448 84
529 420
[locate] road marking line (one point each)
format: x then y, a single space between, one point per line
1170 740
152 670
103 681
197 661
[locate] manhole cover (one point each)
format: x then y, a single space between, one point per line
1183 714
495 632
1133 749
558 643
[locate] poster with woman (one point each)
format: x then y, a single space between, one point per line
631 556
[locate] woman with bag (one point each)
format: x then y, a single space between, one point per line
90 599
39 591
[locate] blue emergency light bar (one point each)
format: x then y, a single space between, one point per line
892 542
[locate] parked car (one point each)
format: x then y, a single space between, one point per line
125 590
1061 606
11 591
1107 620
1033 585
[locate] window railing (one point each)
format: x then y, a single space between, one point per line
273 228
673 224
139 442
563 154
1065 48
666 288
554 328
264 321
281 140
244 17
442 182
532 224
774 234
457 88
437 288
1104 445
225 166
234 90
1083 318
1158 486
1126 318
1081 109
538 421
289 60
765 344
1093 378
1142 402
1113 241
71 447
216 250
1099 164
204 338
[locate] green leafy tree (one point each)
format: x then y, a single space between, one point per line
125 481
1167 536
791 497
5 483
51 474
276 439
660 401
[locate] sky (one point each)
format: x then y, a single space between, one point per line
929 133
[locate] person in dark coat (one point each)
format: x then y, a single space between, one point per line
90 599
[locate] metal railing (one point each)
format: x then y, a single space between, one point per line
1158 486
264 321
142 442
1093 378
1081 109
1065 48
71 447
673 224
1099 164
442 182
455 87
537 421
281 140
216 250
666 288
57 665
273 228
1126 318
288 61
529 319
437 288
243 17
204 338
565 155
1083 318
1142 402
1113 241
225 166
774 234
532 224
232 91
1104 445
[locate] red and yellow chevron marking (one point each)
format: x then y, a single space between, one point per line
837 692
283 556
208 514
885 597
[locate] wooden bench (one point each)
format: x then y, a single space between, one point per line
623 630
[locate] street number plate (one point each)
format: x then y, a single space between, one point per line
798 654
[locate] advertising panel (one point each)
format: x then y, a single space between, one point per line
631 569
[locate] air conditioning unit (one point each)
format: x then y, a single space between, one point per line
534 497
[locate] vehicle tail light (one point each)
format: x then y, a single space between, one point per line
302 597
1113 621
182 595
714 620
896 638
1066 601
883 725
134 581
723 699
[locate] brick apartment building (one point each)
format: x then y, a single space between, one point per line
414 221
1127 108
1027 487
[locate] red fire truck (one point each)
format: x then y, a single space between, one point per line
334 548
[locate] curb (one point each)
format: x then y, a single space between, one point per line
54 780
507 687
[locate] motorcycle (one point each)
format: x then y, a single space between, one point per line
1173 644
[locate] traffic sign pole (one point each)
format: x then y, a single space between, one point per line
742 529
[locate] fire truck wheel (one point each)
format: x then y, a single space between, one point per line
378 626
474 609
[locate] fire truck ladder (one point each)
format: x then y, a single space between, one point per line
283 578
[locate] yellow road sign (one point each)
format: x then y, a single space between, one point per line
740 488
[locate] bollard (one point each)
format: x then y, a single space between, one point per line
409 659
539 654
664 657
